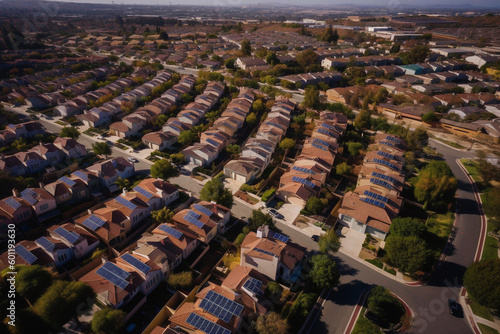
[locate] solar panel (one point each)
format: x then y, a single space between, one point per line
194 221
93 222
70 237
382 183
303 170
46 244
173 232
303 181
29 196
137 264
126 203
192 214
274 124
81 175
325 132
114 274
279 236
205 325
213 142
376 196
25 254
321 142
328 126
384 177
386 163
143 192
177 123
253 285
67 181
373 202
319 146
227 304
386 155
12 203
386 143
264 251
203 210
393 139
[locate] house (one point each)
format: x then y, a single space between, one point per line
40 200
196 222
27 253
50 152
463 112
132 206
78 240
200 154
272 254
159 140
70 147
460 128
481 59
246 62
12 165
107 224
59 252
156 193
14 210
32 161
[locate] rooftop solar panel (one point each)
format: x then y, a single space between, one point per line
303 170
114 274
225 303
126 203
264 251
278 236
386 155
81 175
137 264
12 203
205 325
253 285
173 232
93 222
373 202
386 163
45 243
194 221
382 183
143 192
25 254
376 196
67 181
29 196
384 177
204 210
303 181
321 147
321 142
213 142
70 237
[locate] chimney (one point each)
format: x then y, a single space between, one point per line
104 259
41 184
162 241
263 231
90 211
124 191
15 192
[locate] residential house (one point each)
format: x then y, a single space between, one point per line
78 240
40 200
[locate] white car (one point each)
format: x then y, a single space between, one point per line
132 159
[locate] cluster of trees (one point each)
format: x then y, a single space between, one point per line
387 309
163 169
482 280
214 190
329 35
435 186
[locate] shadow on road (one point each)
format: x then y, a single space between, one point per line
345 269
348 294
447 274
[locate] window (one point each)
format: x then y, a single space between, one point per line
44 207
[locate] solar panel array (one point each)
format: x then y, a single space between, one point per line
321 141
220 306
376 196
67 181
29 196
213 142
382 183
328 126
373 202
46 244
81 175
93 222
71 237
173 232
274 124
126 203
114 274
303 181
137 264
143 192
319 146
25 254
384 177
386 163
12 203
264 251
386 155
325 132
386 143
253 285
192 217
177 123
202 209
205 325
303 170
279 236
393 139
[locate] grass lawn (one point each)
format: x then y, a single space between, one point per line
376 262
364 326
490 250
390 271
471 167
487 330
447 142
440 224
480 310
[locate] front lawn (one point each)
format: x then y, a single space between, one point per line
480 310
486 329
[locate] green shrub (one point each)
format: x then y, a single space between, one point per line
268 194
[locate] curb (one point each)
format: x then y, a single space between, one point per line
357 309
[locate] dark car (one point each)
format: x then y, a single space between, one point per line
454 307
315 238
276 214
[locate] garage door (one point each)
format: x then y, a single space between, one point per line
241 178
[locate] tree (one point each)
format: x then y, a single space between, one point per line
214 190
363 120
273 290
272 59
229 63
246 47
429 117
487 171
163 215
187 137
287 144
354 148
122 183
260 218
409 254
385 306
101 149
271 323
407 227
335 37
164 35
180 280
258 106
311 98
177 158
324 273
395 48
417 54
490 203
108 321
329 242
482 280
307 58
62 301
343 169
233 150
435 185
417 140
163 169
315 205
251 119
32 281
70 132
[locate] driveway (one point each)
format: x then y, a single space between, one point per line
352 242
290 212
232 184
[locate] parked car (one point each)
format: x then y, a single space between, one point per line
276 214
132 159
455 308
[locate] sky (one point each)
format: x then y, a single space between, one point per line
390 3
